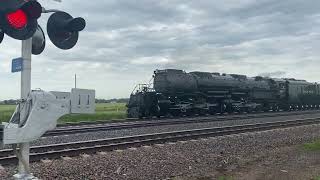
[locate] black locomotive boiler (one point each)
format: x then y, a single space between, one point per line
176 92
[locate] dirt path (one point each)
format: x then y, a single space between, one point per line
288 163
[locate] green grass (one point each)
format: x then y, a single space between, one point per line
6 111
316 178
225 178
104 111
313 146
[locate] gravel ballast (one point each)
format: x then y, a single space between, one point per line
204 158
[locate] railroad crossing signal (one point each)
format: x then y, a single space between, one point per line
18 18
63 29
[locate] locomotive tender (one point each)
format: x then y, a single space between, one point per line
176 92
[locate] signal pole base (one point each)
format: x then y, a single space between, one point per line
24 177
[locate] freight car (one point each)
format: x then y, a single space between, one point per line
176 92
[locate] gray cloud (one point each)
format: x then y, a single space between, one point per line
124 41
273 74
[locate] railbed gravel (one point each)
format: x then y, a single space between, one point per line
188 158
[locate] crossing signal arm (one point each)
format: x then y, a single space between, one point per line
43 109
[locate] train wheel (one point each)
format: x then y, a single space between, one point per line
229 109
286 108
203 112
212 110
189 112
249 110
266 109
134 112
222 108
175 113
258 109
240 110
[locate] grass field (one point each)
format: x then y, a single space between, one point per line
316 178
104 111
6 112
313 146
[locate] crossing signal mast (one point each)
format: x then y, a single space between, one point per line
38 111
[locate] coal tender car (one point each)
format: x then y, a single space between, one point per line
176 93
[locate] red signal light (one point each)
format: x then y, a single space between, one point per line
17 19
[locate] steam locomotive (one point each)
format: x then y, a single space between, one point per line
176 93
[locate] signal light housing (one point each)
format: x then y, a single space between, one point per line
38 41
63 29
18 18
1 35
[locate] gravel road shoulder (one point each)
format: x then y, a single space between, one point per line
274 154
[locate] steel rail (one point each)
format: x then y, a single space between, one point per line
75 148
127 120
67 130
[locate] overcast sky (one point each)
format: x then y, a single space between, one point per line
126 40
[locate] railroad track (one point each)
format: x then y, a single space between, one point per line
94 127
81 123
75 148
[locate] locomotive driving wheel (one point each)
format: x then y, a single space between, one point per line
134 112
175 112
